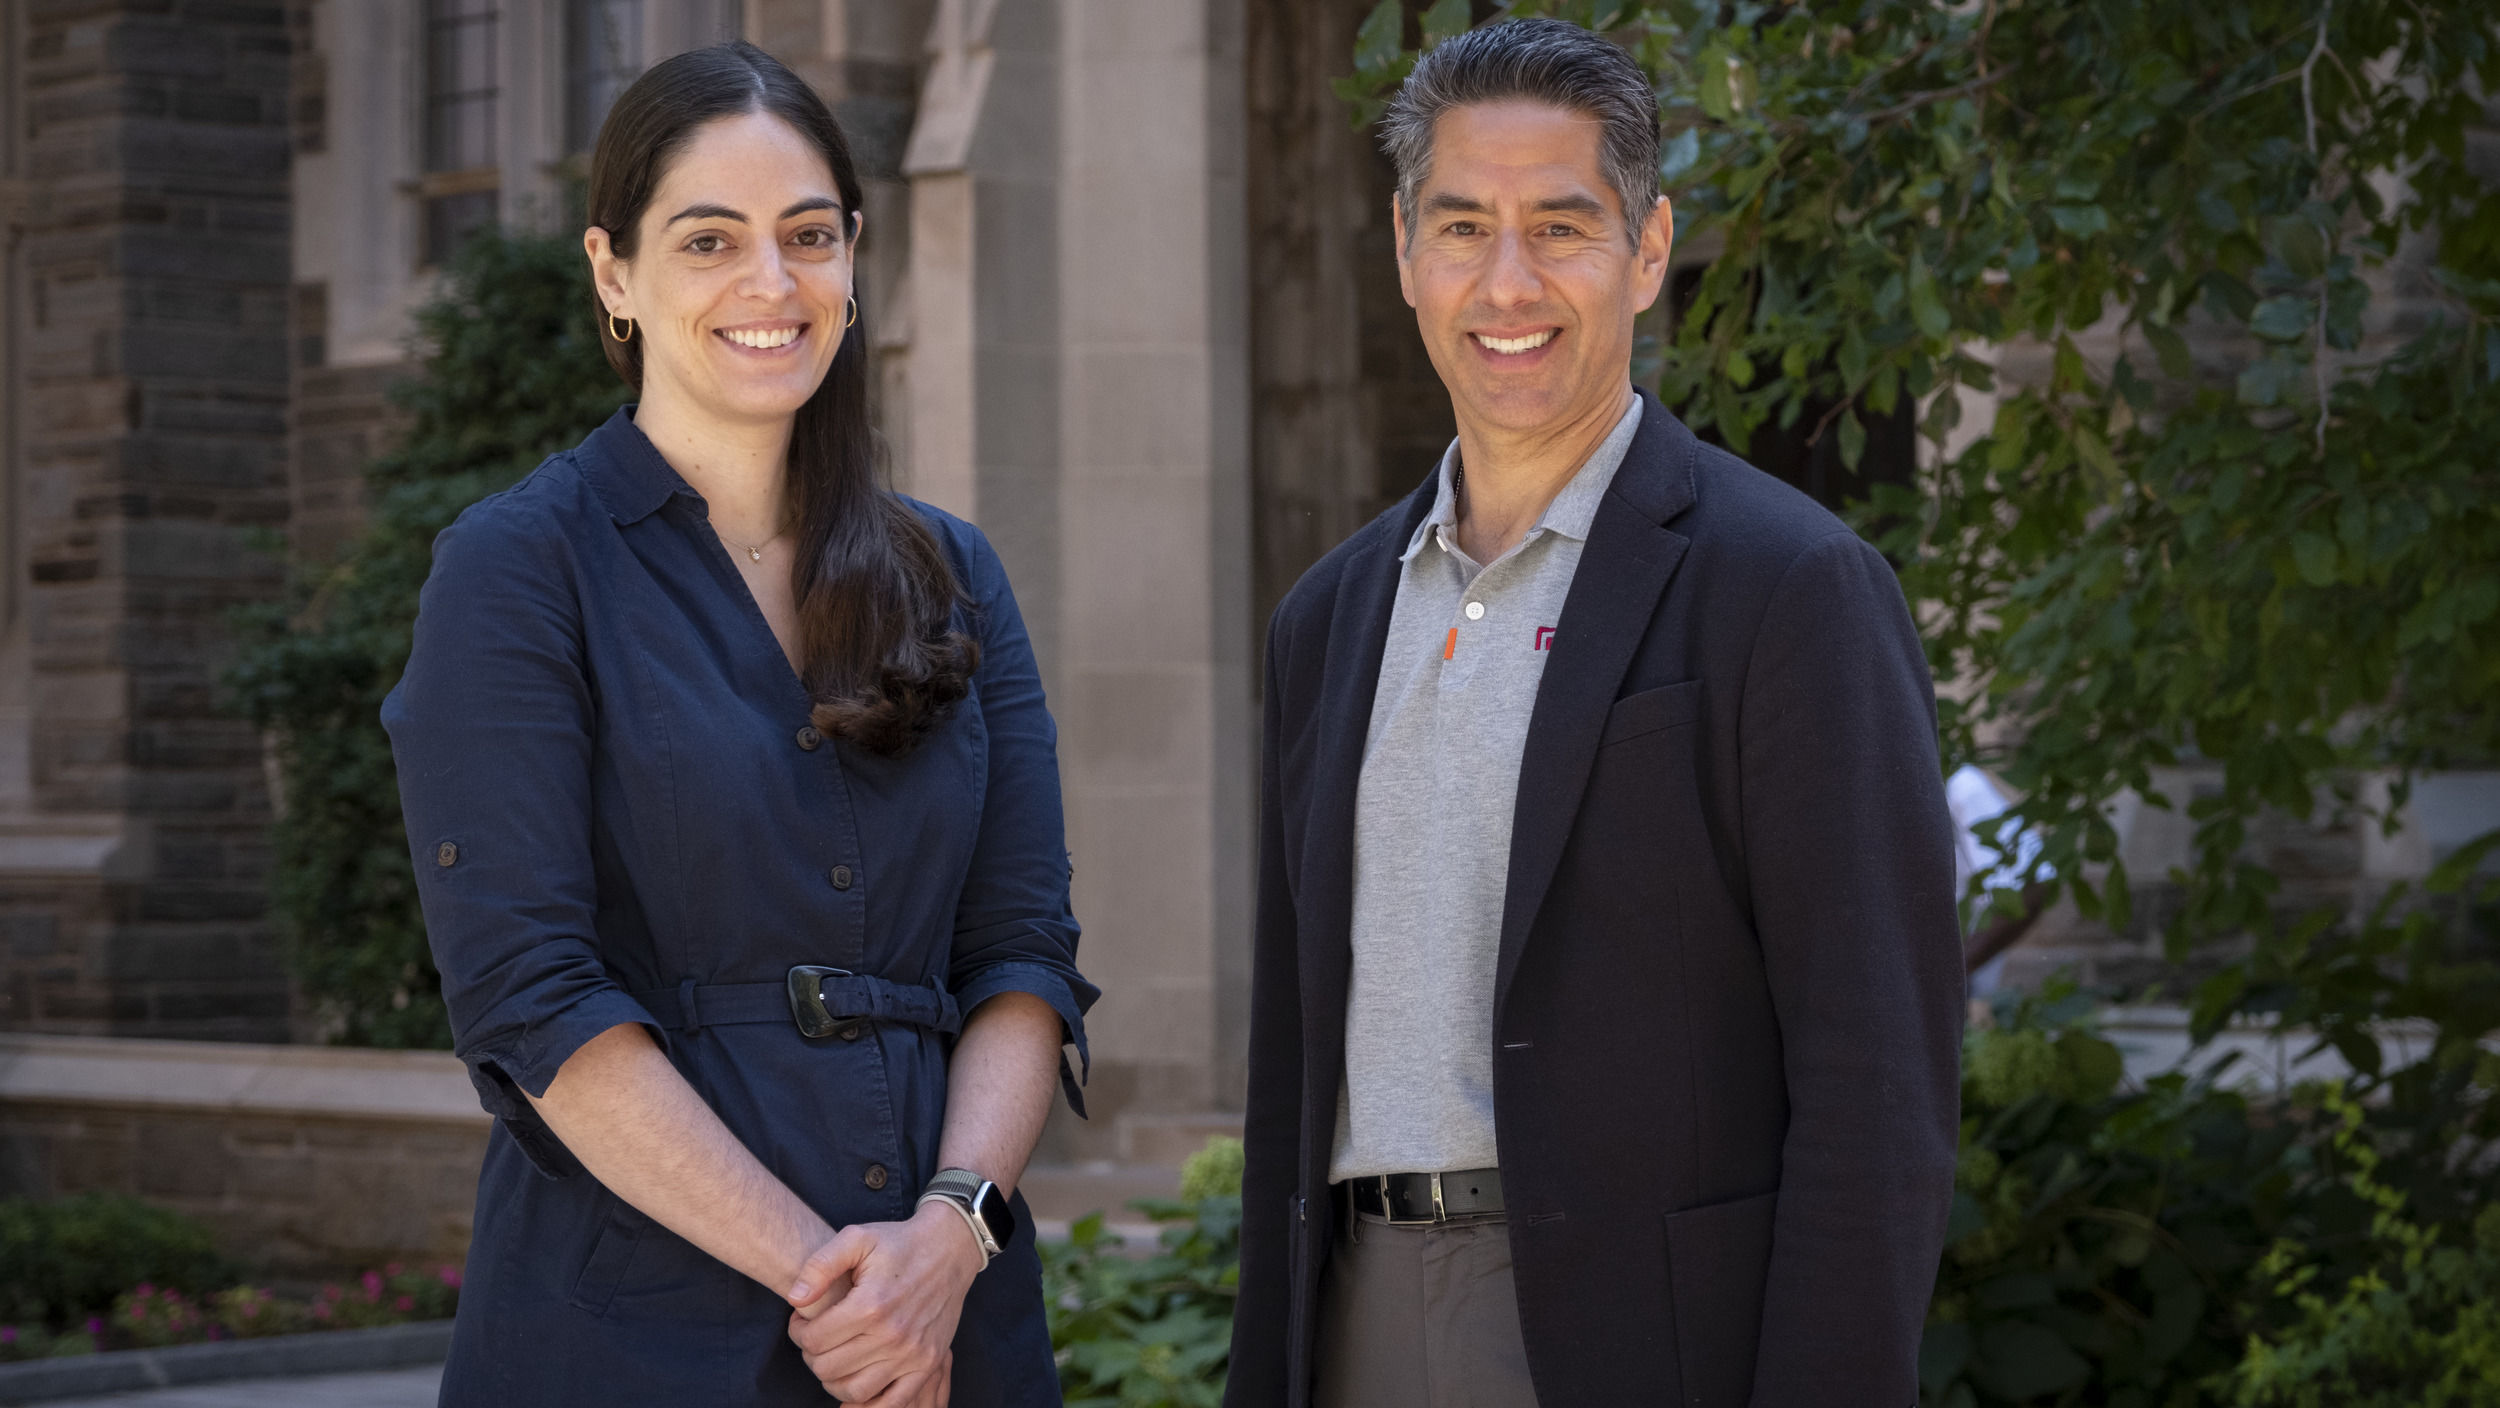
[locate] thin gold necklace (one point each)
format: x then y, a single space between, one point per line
754 552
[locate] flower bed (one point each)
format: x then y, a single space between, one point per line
151 1317
64 1266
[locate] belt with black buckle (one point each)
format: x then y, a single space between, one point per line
1418 1199
820 1001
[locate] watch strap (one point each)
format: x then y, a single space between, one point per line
972 1222
961 1189
960 1183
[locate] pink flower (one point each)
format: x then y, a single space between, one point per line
391 1269
95 1324
216 1332
321 1311
8 1334
450 1276
144 1291
404 1304
373 1285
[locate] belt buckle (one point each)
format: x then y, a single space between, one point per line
807 998
1389 1207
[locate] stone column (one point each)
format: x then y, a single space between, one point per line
982 407
866 57
1158 732
151 414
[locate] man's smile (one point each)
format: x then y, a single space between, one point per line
1516 346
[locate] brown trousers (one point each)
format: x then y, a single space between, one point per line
1421 1317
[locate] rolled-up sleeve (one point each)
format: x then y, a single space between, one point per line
1014 929
491 728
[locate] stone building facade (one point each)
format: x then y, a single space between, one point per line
220 217
1129 275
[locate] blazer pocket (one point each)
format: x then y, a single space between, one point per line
1651 711
1718 1264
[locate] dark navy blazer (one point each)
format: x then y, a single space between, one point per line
608 791
1728 997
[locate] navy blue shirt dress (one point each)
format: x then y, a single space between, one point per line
619 813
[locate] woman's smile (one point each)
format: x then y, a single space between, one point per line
765 341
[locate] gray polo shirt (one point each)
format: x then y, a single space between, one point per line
1458 680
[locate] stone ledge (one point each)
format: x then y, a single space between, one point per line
322 1352
428 1087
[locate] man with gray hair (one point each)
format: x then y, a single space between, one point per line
1606 1003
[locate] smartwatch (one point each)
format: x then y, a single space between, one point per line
983 1205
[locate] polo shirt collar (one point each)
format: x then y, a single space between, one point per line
626 470
1573 510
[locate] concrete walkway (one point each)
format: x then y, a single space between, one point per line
390 1388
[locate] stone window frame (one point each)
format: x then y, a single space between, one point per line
628 28
458 187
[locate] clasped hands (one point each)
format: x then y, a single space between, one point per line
876 1307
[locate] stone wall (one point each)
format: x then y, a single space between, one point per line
151 404
302 1160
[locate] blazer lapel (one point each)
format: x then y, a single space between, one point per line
1625 567
1358 634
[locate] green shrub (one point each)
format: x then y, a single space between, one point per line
2101 1238
19 1342
510 372
2417 1328
1151 1331
63 1261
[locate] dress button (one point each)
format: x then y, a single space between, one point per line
1475 611
850 1030
446 853
875 1177
840 875
809 738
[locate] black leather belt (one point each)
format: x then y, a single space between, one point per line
1414 1199
820 1001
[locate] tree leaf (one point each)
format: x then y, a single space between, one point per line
2080 221
2262 382
1926 304
1852 439
1679 155
2284 319
1942 1351
1381 40
2300 244
2094 452
2172 351
1717 96
1447 19
2024 1361
2315 555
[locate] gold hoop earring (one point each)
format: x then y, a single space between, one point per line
854 312
625 336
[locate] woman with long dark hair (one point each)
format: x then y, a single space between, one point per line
736 816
